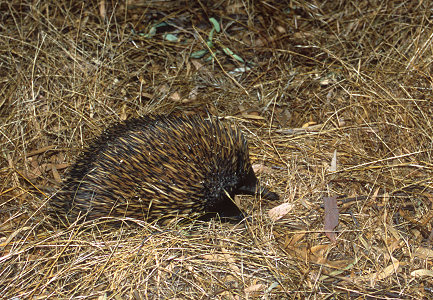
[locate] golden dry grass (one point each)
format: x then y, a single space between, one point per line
354 78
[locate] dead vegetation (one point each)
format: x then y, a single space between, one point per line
333 95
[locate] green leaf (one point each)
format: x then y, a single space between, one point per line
231 54
238 58
228 51
198 54
170 37
162 24
152 32
209 40
215 24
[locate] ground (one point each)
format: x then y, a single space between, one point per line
333 96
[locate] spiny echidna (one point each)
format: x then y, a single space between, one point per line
157 167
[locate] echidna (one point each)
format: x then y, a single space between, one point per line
157 167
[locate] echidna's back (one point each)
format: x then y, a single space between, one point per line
157 167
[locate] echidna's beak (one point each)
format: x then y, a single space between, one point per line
252 186
257 189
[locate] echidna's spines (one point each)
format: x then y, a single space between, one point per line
155 166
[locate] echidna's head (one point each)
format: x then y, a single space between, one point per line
233 176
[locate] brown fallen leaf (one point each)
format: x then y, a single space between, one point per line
423 253
308 124
422 273
102 9
280 211
56 174
333 167
261 168
175 96
386 272
252 116
40 150
331 217
253 289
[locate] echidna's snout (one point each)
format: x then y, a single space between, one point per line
252 186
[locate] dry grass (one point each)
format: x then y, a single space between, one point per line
322 77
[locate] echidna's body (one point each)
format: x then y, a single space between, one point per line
157 167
